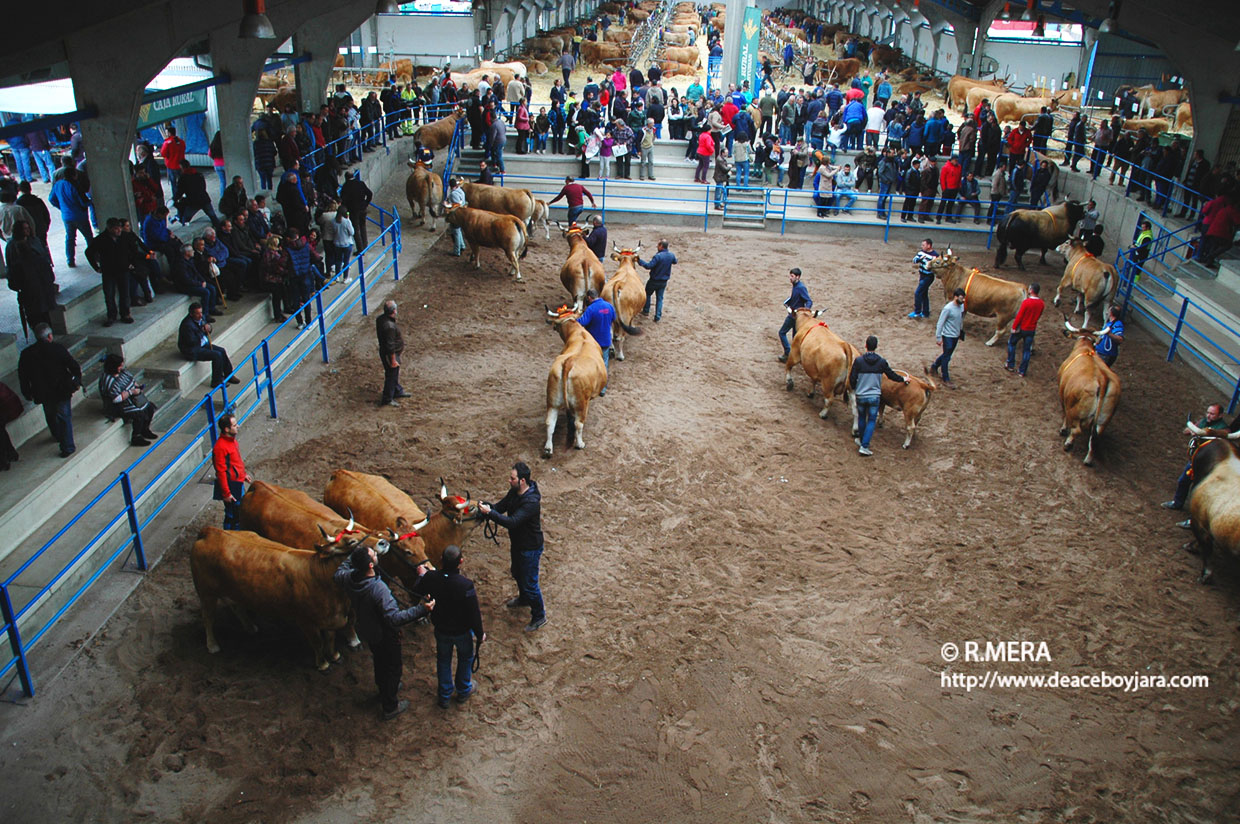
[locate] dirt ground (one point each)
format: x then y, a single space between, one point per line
745 615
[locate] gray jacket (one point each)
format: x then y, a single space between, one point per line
377 612
951 321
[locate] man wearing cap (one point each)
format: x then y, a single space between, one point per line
378 622
799 299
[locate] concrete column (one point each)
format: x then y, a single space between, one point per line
966 39
732 41
243 61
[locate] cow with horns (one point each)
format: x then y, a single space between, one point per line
1094 281
258 576
414 538
824 355
1088 390
626 293
1043 229
577 376
984 295
582 270
1214 508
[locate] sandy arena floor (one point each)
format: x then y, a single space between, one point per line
746 616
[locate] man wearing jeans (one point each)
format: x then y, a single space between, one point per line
1024 325
74 209
458 625
49 376
799 299
866 380
925 277
520 513
948 332
660 267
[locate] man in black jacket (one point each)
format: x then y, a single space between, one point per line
355 196
458 624
378 623
194 342
519 513
391 345
49 376
111 256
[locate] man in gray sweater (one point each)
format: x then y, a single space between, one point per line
948 332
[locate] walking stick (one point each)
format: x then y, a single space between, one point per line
214 269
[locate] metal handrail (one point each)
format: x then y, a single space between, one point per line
262 381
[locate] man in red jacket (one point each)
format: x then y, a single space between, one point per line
173 153
1219 218
1018 142
949 179
230 474
1023 327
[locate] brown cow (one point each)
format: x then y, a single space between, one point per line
548 44
1183 117
977 94
438 135
293 518
1095 281
1014 108
1154 103
672 38
260 576
487 230
517 68
985 295
577 376
672 68
534 67
542 215
638 15
959 85
617 34
413 538
595 53
1214 508
402 68
503 201
627 295
824 355
839 71
886 57
910 398
1153 126
424 191
689 55
582 269
1088 391
1043 229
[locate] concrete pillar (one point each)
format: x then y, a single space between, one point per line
732 42
966 39
243 61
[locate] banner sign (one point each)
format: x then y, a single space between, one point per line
751 28
170 108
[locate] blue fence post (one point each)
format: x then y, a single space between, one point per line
382 227
212 430
133 521
706 209
396 245
604 199
271 384
15 641
258 384
318 305
1235 398
361 279
887 222
783 219
1175 336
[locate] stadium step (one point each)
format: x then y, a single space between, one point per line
244 319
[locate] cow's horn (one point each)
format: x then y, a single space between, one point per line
1194 428
329 539
349 528
443 489
418 526
616 247
1071 328
638 247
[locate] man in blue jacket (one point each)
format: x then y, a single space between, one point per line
799 299
378 622
597 319
866 380
660 267
519 513
74 208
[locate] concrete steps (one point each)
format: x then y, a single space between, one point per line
244 319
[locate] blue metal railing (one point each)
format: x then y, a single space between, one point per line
266 372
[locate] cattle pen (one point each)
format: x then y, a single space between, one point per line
748 620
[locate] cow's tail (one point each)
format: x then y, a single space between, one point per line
628 330
1001 232
525 241
529 224
570 409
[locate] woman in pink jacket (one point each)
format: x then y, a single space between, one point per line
705 151
522 122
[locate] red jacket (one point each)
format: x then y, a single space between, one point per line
1220 217
1018 141
226 457
706 145
173 152
728 112
949 178
1027 316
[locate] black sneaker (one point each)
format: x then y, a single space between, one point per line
533 625
139 442
443 703
401 706
783 358
513 603
462 698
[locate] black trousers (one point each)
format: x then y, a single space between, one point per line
388 669
141 420
391 381
116 290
